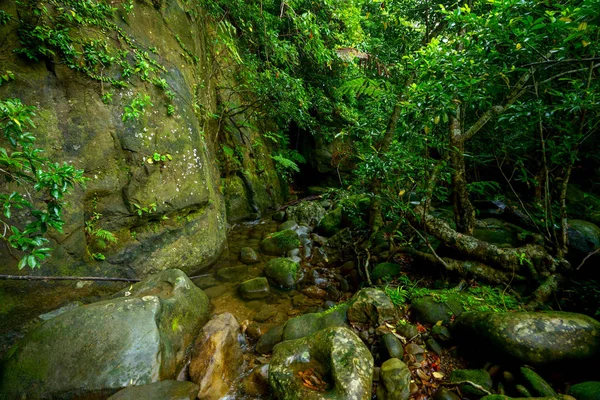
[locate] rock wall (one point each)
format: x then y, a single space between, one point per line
170 213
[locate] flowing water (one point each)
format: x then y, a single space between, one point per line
20 310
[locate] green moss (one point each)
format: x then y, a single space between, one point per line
386 270
283 272
279 242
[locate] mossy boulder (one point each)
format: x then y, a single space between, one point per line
436 307
308 324
278 243
371 306
478 376
248 256
494 231
386 269
537 384
267 342
534 338
586 391
283 272
289 224
391 347
306 212
233 274
394 381
336 354
331 222
257 288
163 390
140 336
584 237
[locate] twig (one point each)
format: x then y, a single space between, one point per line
570 60
65 278
586 258
440 260
476 386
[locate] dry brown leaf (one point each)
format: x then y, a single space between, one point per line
438 375
421 374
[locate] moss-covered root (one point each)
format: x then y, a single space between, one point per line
543 293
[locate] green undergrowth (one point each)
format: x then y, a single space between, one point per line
474 298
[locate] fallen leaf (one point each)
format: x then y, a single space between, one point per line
438 375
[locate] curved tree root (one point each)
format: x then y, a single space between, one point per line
531 258
468 269
545 291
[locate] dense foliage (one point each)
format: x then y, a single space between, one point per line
38 186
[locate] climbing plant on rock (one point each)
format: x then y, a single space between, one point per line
33 187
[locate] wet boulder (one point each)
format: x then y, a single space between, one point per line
331 222
216 357
308 324
371 306
306 212
336 358
163 390
267 342
391 347
283 272
248 256
394 381
480 377
385 270
289 224
584 238
279 243
532 338
433 308
138 337
586 391
253 289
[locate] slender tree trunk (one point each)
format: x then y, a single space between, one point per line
464 213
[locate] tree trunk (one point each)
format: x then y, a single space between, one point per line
464 213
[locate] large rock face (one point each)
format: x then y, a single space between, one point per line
532 338
185 226
337 355
138 337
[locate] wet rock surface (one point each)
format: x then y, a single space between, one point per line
533 338
395 381
371 306
163 390
216 357
337 355
138 337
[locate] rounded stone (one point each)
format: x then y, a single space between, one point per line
392 347
278 243
336 354
257 288
394 379
283 272
534 338
248 256
371 306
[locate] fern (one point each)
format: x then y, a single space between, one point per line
285 163
106 236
